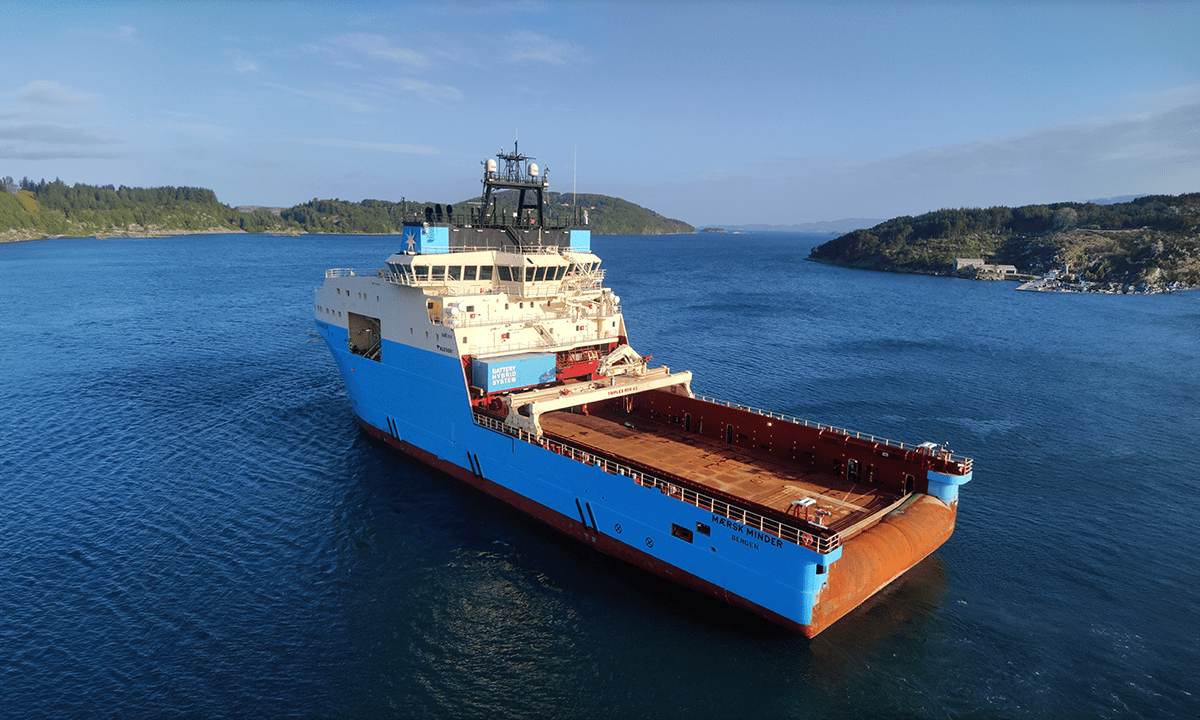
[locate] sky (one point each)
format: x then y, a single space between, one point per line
708 112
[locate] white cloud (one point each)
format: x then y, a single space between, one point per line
242 62
429 92
1155 153
381 147
526 46
337 97
9 152
203 130
51 133
50 92
352 49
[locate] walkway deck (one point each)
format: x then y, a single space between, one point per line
757 477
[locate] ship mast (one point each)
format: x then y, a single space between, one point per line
516 175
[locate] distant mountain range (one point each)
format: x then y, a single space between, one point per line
30 210
1115 200
828 226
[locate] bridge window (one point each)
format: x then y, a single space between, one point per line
505 272
422 272
438 273
540 275
469 272
485 272
529 272
454 272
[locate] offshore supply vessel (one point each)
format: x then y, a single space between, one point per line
489 348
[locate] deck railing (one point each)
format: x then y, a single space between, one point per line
559 343
742 515
352 272
906 447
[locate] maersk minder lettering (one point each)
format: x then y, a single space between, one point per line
747 531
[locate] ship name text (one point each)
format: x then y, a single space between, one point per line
746 535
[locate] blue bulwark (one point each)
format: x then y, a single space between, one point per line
581 240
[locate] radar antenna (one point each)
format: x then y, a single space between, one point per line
517 174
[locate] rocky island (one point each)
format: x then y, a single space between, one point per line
1147 245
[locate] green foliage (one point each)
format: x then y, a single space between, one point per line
373 217
54 208
606 215
1154 238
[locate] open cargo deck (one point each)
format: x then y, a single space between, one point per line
753 476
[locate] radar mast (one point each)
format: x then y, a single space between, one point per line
517 175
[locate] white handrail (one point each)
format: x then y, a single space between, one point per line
352 272
741 515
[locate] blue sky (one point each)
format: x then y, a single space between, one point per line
708 112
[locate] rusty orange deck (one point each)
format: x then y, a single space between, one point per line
756 477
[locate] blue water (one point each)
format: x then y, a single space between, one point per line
193 526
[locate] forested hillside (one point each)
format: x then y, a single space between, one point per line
54 208
45 209
605 215
1153 239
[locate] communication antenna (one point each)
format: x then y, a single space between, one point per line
574 178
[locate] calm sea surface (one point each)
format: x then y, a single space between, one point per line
193 526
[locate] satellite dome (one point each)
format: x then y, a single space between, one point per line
533 170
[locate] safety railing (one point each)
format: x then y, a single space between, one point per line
716 506
592 281
562 343
906 447
352 272
600 312
525 249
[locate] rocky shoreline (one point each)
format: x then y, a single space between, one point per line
1029 283
1101 288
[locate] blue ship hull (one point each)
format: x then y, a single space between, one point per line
490 349
419 405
